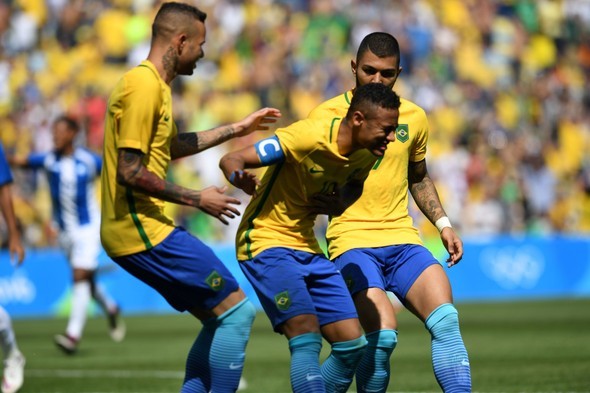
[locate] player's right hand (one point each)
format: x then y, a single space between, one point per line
246 181
257 121
215 203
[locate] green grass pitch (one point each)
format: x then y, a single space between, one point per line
533 346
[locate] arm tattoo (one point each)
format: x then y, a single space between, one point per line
190 143
132 173
424 192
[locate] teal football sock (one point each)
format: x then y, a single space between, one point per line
305 363
339 368
373 371
449 356
216 359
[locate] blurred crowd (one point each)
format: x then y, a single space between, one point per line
505 84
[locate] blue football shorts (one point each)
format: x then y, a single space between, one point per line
391 268
291 283
183 270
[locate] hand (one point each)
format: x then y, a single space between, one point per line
330 204
246 181
16 250
215 203
257 121
453 244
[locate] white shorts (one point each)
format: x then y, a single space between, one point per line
82 246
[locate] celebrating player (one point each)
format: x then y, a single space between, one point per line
313 166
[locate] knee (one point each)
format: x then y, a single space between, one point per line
350 352
442 320
385 339
242 314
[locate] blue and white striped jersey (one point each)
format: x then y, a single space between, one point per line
72 186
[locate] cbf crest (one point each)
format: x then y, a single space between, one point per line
402 133
215 281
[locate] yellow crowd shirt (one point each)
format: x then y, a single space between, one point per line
279 215
380 216
139 117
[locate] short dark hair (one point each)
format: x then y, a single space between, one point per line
161 25
71 123
380 43
372 95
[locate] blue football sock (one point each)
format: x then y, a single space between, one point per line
449 356
372 373
305 363
339 368
216 359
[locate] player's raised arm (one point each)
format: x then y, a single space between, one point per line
263 153
189 143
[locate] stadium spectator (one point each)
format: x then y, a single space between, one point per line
71 173
141 139
376 247
14 361
519 67
313 166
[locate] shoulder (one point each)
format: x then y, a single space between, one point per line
335 106
142 78
411 113
304 134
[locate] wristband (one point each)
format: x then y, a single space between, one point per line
232 177
443 223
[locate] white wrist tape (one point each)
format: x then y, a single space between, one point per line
443 223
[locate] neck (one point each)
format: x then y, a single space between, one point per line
344 139
164 64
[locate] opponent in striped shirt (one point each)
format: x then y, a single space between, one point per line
72 172
376 246
313 166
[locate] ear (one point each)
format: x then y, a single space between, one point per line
181 42
358 118
353 67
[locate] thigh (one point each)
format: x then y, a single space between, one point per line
184 271
84 248
431 289
361 269
405 263
375 310
329 293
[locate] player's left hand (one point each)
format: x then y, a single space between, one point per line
257 121
330 204
246 181
453 244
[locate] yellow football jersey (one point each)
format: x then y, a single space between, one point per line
279 215
139 116
380 216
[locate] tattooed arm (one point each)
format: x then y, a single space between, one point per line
133 174
424 193
186 144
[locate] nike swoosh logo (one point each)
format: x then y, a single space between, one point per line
233 366
465 362
367 390
167 117
311 377
313 170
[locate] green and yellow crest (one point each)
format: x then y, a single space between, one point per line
402 133
215 281
282 300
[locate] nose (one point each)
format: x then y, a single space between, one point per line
377 78
391 137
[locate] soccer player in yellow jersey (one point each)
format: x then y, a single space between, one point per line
312 166
140 140
376 247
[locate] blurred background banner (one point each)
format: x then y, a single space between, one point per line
495 268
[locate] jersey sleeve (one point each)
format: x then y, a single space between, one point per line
35 160
418 152
140 104
298 139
